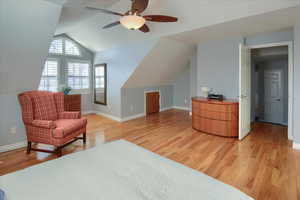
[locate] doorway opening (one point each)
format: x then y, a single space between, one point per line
266 86
269 85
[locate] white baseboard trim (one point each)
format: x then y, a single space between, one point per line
125 119
11 147
296 145
164 109
109 116
88 112
181 108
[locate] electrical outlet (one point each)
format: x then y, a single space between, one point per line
185 101
13 130
131 108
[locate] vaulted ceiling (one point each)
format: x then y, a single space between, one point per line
85 26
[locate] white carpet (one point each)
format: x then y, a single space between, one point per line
115 171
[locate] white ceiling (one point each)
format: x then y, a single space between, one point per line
85 26
279 20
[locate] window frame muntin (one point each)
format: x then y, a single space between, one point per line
58 71
78 91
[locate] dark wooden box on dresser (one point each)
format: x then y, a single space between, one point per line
215 117
73 102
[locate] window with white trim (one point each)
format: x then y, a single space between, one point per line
99 77
78 75
71 48
49 80
68 64
56 46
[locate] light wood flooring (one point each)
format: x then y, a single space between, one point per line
263 165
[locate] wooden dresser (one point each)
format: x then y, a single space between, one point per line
73 102
215 117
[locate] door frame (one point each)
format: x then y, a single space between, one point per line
290 46
150 91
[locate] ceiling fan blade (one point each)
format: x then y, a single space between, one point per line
105 11
139 5
145 28
111 25
160 18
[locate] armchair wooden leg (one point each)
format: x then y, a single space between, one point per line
58 151
84 138
28 147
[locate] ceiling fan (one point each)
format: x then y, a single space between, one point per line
133 19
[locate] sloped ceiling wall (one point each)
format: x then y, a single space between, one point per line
27 28
162 65
121 62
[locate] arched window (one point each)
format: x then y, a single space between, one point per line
64 46
71 48
56 46
66 66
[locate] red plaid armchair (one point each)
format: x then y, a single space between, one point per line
46 121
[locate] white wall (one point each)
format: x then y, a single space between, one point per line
133 99
193 74
27 28
272 37
296 84
182 89
218 67
121 63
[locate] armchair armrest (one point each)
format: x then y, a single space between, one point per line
44 124
69 115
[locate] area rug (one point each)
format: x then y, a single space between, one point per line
118 170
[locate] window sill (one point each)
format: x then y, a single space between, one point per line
85 91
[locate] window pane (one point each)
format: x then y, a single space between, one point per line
99 71
71 48
49 76
78 75
56 46
100 84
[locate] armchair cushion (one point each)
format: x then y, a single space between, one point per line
44 106
64 127
44 124
69 115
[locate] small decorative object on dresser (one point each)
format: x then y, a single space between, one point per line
205 91
73 102
215 117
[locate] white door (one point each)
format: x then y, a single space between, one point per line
273 101
245 92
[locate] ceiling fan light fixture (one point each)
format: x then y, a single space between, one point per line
132 22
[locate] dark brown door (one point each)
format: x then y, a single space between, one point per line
152 102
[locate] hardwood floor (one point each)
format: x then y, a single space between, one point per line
263 165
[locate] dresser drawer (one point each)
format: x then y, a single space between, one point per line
211 107
224 116
217 127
